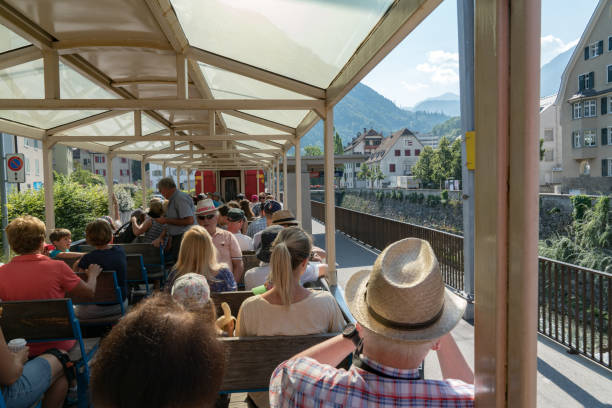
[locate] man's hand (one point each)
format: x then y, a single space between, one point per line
156 243
93 271
162 220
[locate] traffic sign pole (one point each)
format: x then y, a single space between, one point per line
5 244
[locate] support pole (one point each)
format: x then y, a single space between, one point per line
465 14
278 179
257 182
507 65
330 201
47 151
285 178
3 193
298 182
163 169
110 186
178 178
181 77
188 179
51 74
138 123
143 174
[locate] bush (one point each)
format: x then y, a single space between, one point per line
581 203
433 200
421 197
75 204
444 196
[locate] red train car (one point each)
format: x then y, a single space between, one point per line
230 182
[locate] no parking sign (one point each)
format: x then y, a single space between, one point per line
15 168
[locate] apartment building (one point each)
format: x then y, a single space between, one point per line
363 143
97 164
551 164
585 106
396 156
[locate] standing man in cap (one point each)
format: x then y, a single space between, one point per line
235 221
402 311
228 248
179 215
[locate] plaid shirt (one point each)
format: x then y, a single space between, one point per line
303 382
256 226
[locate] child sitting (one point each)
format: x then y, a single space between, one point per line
61 238
99 235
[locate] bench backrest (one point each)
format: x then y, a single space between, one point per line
150 254
38 319
252 360
135 267
233 299
249 260
107 289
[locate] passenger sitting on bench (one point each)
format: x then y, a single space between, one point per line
61 239
161 354
198 255
33 276
25 382
257 276
154 232
402 310
111 258
192 290
288 308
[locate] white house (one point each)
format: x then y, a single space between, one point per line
364 143
551 165
396 155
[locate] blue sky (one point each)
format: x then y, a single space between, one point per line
425 64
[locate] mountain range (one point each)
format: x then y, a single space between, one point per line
363 107
550 73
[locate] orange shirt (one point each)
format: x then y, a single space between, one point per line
36 277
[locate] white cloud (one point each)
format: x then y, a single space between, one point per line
414 87
443 67
552 46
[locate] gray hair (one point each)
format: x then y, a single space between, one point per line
166 182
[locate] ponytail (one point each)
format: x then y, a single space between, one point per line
281 272
290 248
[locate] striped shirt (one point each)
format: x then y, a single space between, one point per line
304 382
154 232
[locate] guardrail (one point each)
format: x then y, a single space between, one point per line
574 303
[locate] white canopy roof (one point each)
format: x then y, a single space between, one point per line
188 82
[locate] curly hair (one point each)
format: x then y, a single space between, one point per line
162 354
26 234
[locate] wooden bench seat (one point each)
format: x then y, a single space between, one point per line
233 299
252 360
107 292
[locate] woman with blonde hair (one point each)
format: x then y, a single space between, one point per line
199 255
288 308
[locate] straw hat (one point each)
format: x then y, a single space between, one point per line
285 218
403 297
205 206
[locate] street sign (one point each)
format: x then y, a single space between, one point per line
15 168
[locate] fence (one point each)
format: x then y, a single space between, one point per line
573 302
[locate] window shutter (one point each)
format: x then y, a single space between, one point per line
600 47
592 80
610 43
610 72
581 83
604 105
586 53
604 136
604 168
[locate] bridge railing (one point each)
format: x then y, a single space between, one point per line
573 302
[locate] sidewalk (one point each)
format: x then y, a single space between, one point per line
564 380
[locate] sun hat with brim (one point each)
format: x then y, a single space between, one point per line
191 287
268 236
284 217
403 297
205 206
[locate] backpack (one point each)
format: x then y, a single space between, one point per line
125 234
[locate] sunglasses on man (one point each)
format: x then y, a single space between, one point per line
206 217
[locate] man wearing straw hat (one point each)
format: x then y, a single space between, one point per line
403 310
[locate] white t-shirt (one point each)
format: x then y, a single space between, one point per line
257 276
245 242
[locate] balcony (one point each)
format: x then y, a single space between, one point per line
581 153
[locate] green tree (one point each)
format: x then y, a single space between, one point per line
377 175
364 172
456 163
423 167
338 148
86 177
542 150
442 161
313 150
